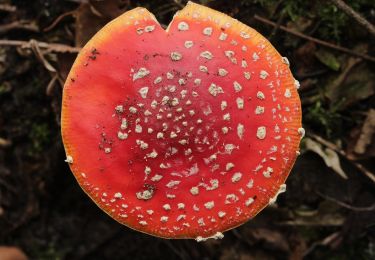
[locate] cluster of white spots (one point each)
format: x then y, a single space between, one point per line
157 80
226 117
165 165
263 74
259 110
207 31
169 75
156 177
181 81
243 64
240 103
230 55
143 145
153 154
247 75
240 130
229 166
133 110
223 36
215 90
144 195
164 219
142 72
176 56
172 184
203 68
194 190
180 217
229 148
183 26
207 55
261 132
244 35
267 173
249 201
149 28
147 170
222 72
236 177
118 195
250 184
237 87
69 159
167 207
255 56
188 44
143 92
231 198
209 205
223 105
260 95
119 109
287 93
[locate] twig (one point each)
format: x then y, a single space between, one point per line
58 19
276 28
24 25
356 16
332 238
345 205
47 47
315 40
8 8
334 147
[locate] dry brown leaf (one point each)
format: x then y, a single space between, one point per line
329 156
367 133
11 253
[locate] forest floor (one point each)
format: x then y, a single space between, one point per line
328 211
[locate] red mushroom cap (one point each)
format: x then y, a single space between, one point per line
185 132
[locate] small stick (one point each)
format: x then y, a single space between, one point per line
24 25
345 205
317 41
58 19
356 16
8 8
49 47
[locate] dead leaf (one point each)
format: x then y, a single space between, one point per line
355 83
11 253
367 133
329 156
271 238
328 59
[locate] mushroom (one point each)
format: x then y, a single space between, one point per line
185 132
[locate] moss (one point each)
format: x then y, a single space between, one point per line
40 137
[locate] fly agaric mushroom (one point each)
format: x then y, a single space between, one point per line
185 132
